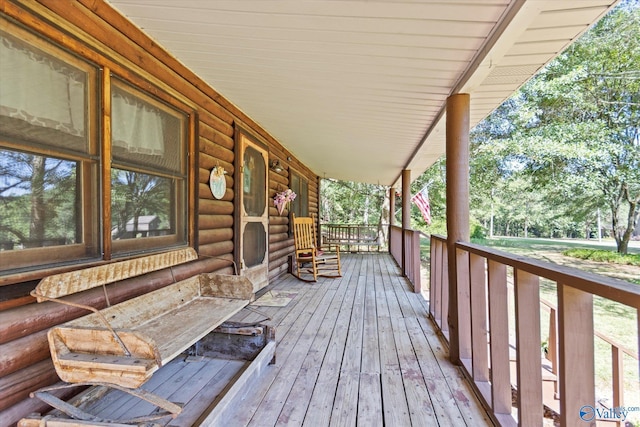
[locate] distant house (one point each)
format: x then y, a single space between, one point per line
147 226
146 223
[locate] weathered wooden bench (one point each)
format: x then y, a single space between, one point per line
124 344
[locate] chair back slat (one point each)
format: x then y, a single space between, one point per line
303 233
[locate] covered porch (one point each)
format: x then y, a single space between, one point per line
374 107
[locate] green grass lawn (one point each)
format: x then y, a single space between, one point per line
617 321
603 255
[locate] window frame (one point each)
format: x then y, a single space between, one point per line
298 202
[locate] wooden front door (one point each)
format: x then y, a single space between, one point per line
254 213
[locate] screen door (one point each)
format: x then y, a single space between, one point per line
254 213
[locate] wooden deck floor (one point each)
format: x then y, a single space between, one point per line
357 350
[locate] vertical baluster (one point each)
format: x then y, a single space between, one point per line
417 280
575 327
529 363
444 259
499 342
553 348
617 370
479 335
464 309
434 266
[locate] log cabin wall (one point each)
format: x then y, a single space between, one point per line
94 31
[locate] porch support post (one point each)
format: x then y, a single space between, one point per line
457 151
406 213
392 206
406 199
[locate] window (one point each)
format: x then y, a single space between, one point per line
300 186
48 154
51 194
148 172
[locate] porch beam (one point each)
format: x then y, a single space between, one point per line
457 152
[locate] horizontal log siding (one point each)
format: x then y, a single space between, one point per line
94 31
278 224
280 241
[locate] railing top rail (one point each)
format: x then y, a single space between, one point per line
411 230
607 287
325 224
620 346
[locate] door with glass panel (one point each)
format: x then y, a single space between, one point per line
254 212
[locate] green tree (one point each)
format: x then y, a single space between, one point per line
136 194
346 202
492 166
37 198
582 137
567 144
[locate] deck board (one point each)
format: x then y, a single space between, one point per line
345 405
322 399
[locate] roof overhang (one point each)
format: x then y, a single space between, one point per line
357 90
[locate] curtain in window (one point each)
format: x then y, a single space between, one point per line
40 90
136 126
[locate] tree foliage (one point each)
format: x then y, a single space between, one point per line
580 141
567 144
346 202
38 200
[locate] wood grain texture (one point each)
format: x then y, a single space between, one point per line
17 386
216 137
20 353
96 32
60 285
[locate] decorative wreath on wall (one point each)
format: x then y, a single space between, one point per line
283 198
217 183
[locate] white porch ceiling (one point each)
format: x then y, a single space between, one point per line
356 89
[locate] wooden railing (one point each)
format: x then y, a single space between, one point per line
617 355
439 284
351 235
404 246
483 297
395 243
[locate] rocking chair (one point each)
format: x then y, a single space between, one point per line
308 252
